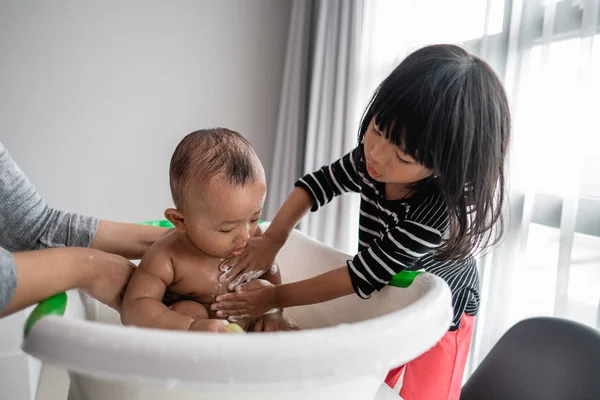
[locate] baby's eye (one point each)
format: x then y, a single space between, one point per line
254 220
225 230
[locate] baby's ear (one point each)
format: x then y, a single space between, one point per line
176 218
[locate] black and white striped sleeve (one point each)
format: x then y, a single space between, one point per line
400 247
464 300
332 180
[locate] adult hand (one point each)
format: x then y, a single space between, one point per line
254 298
44 273
108 278
258 258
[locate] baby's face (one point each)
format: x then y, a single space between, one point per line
224 217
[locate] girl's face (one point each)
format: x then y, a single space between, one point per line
387 162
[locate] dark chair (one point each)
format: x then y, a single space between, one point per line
540 359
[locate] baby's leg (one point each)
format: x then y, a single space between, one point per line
244 321
191 309
195 310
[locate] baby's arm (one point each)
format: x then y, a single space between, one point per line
143 306
142 303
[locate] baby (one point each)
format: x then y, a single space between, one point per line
218 188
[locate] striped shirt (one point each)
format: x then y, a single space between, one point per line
395 235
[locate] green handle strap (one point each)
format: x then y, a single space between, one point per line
54 305
57 304
404 279
163 223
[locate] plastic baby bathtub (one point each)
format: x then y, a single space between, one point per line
344 352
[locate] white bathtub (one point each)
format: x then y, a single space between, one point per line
345 351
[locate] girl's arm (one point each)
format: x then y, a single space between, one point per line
295 207
257 297
324 287
261 250
312 192
371 269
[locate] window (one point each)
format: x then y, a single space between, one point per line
548 54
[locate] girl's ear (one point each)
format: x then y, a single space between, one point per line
176 218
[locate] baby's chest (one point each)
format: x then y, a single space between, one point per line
197 279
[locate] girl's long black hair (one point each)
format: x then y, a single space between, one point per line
448 110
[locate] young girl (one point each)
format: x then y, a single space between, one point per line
430 170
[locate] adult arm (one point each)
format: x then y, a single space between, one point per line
27 222
29 277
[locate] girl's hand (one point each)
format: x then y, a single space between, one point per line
108 277
254 298
273 322
258 258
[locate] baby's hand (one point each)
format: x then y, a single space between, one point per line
208 325
273 322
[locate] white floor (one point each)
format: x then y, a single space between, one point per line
54 384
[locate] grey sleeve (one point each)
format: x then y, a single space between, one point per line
8 277
27 222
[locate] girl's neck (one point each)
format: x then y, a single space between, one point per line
397 191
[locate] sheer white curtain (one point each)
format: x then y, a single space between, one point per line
548 55
317 121
332 124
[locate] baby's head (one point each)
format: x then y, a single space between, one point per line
218 187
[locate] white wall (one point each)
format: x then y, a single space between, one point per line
95 95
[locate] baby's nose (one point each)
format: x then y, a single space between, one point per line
242 241
245 235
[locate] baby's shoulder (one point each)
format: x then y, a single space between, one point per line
162 250
157 262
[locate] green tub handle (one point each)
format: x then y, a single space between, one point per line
54 305
404 279
163 223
